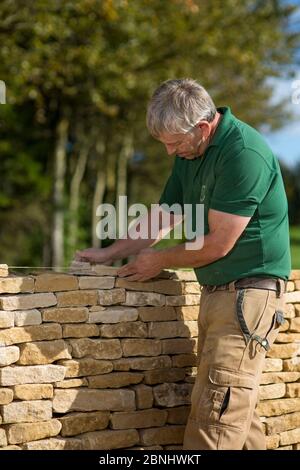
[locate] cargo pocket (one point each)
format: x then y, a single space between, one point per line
226 399
258 318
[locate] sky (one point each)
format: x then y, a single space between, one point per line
285 142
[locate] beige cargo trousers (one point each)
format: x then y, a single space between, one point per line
236 329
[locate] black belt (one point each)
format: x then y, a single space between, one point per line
276 284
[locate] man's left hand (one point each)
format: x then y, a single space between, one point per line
146 265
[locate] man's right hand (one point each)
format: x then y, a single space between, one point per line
94 255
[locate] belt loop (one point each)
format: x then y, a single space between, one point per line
231 286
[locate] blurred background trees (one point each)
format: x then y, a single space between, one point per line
79 75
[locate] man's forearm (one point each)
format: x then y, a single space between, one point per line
179 257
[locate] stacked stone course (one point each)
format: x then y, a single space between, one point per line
91 361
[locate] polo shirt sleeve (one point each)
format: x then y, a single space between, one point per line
242 182
172 192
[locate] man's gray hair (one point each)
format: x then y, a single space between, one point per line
177 106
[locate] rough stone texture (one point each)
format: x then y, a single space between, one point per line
31 374
3 270
113 315
65 315
43 352
111 364
33 391
6 319
14 285
27 411
77 298
27 317
93 400
9 355
30 333
27 301
78 423
24 432
55 282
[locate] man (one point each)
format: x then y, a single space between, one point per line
243 265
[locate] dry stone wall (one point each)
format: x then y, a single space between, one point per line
91 361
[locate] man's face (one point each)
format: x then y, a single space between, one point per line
184 145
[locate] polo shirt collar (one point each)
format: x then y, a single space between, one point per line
223 126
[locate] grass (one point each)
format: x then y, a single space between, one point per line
295 246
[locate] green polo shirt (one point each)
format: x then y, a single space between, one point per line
237 174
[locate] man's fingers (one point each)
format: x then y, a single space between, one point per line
134 277
126 270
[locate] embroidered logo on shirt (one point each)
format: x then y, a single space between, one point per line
202 194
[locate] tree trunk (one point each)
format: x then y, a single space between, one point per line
99 190
58 193
74 195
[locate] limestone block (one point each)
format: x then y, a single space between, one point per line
90 282
27 411
272 391
9 355
43 352
115 380
192 288
169 394
179 346
272 442
109 439
140 347
55 282
178 415
157 313
182 275
282 423
292 365
110 297
16 284
132 329
297 310
11 448
173 329
96 348
77 298
289 311
78 423
158 376
290 437
3 270
142 363
284 351
65 314
188 313
3 439
178 300
27 317
290 286
183 360
273 365
27 301
6 319
32 391
293 390
295 324
92 400
292 297
145 298
159 286
79 331
138 419
143 396
72 383
288 338
6 396
54 443
30 333
278 407
31 374
294 275
113 315
170 434
272 377
24 432
86 366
